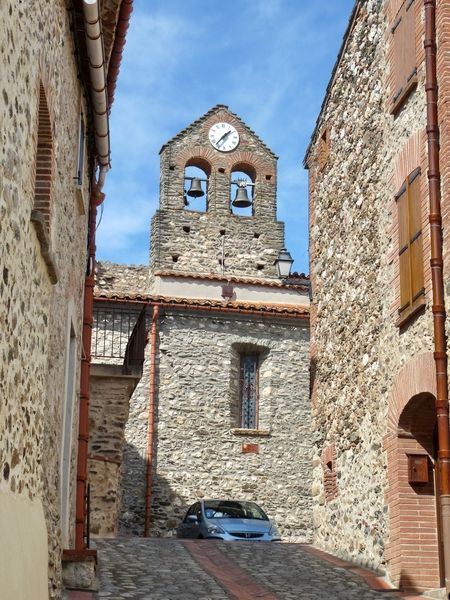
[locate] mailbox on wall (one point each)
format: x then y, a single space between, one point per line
418 471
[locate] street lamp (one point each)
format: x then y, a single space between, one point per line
284 263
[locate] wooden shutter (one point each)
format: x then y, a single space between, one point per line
404 53
410 247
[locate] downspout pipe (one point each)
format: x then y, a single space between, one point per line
99 95
83 425
437 278
151 419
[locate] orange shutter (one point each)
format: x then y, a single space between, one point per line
403 246
404 55
410 246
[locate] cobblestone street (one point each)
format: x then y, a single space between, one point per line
165 569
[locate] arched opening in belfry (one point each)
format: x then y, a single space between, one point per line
242 190
413 481
196 185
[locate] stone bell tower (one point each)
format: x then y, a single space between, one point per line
218 240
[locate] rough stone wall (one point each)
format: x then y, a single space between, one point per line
198 444
354 272
121 279
108 412
184 240
36 46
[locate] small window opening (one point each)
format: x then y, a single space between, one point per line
172 168
186 228
221 170
241 193
256 235
195 189
222 232
175 258
260 266
248 391
268 177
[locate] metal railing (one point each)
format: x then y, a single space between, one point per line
111 331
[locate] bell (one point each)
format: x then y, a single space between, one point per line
241 200
195 191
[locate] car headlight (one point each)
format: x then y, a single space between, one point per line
273 531
215 529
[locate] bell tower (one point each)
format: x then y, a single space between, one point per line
217 208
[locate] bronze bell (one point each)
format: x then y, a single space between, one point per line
195 191
242 199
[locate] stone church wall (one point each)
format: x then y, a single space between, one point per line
357 347
198 443
36 47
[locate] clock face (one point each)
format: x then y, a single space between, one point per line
223 137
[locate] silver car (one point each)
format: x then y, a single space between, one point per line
227 520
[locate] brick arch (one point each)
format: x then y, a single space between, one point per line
413 558
245 157
188 157
418 376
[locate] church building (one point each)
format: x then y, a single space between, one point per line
222 409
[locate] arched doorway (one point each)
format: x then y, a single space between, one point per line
414 551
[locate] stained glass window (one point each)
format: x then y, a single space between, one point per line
249 391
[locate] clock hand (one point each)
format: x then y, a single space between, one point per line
223 137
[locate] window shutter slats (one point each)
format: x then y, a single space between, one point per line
409 210
403 227
416 267
415 208
404 50
405 279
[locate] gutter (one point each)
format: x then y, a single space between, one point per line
95 50
151 420
115 60
437 280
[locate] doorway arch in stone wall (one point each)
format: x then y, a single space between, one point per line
413 550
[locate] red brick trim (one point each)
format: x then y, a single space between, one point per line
329 473
44 160
412 550
418 376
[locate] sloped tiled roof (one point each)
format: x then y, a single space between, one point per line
199 304
204 117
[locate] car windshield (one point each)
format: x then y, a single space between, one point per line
231 509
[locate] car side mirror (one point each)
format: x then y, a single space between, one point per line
191 519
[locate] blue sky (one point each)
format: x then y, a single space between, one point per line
268 60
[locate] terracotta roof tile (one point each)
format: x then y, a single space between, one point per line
275 309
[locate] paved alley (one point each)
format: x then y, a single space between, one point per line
166 569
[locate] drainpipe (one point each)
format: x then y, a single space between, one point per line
83 426
99 96
151 419
435 218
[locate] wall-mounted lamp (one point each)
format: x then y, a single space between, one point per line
284 263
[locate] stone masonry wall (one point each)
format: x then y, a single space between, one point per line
36 47
108 412
354 272
198 446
